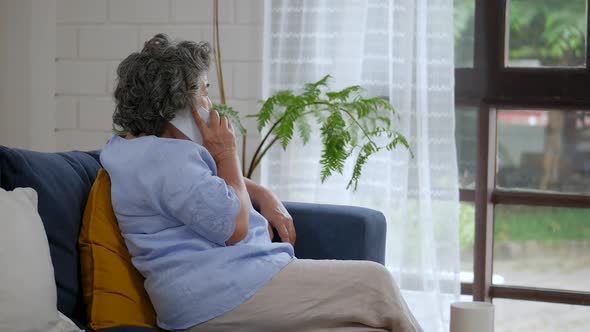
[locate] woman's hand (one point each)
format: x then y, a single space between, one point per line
275 212
218 137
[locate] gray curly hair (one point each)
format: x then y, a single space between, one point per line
158 81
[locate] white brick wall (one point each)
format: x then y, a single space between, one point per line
93 36
191 11
139 11
81 11
96 113
74 77
107 42
67 42
66 112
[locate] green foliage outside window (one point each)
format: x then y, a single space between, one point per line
552 32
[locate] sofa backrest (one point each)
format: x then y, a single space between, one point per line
62 181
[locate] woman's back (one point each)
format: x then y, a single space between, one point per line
176 214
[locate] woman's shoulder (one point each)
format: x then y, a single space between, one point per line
150 152
173 144
154 143
181 150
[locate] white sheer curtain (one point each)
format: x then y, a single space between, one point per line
401 50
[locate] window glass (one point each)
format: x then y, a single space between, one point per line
544 247
466 140
512 315
464 32
546 33
466 239
544 151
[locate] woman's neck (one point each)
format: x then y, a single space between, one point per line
169 132
131 136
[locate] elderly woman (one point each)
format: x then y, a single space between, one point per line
187 217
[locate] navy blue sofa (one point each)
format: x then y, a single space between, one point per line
63 181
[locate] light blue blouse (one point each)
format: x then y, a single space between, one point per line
175 215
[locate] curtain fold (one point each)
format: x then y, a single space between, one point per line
401 50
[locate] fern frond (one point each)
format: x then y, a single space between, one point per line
266 112
284 131
344 94
335 139
348 123
365 152
397 140
322 82
231 115
304 129
385 120
281 98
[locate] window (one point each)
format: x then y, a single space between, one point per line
466 139
523 141
546 33
539 246
511 315
543 150
466 239
464 33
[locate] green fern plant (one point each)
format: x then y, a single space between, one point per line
350 126
233 116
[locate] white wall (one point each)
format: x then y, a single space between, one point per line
14 69
27 74
93 36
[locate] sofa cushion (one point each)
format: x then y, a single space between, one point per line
112 287
27 284
62 181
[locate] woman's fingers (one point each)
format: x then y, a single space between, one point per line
223 122
199 120
283 232
214 119
288 230
292 233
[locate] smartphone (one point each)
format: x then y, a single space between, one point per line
184 121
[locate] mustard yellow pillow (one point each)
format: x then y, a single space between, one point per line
112 288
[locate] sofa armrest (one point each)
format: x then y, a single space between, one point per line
129 329
338 232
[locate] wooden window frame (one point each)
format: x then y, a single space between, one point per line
491 86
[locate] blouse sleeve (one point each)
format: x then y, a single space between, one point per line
193 195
